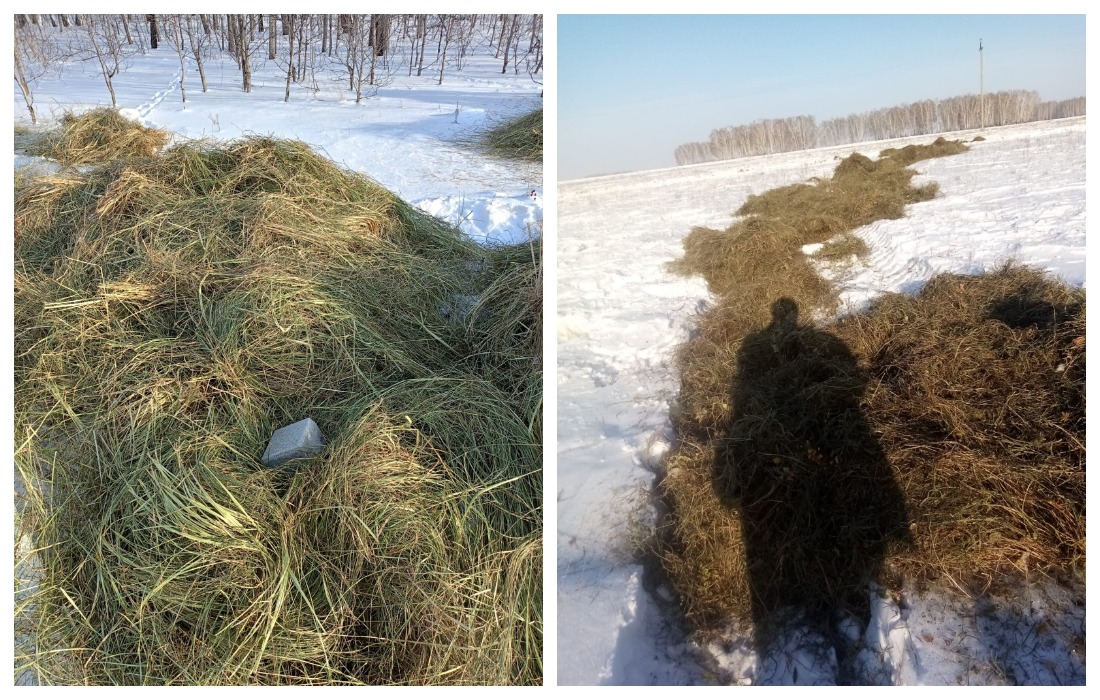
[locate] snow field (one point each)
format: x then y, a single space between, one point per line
1018 195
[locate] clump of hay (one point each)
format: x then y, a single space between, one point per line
977 393
941 435
977 138
171 313
912 153
97 137
519 138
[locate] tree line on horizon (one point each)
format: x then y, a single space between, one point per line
767 136
368 49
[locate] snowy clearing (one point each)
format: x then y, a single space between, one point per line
1019 195
406 136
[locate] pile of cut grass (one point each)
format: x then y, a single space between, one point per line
977 393
172 312
941 435
96 137
912 153
759 259
519 138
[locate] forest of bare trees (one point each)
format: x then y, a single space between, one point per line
925 117
371 50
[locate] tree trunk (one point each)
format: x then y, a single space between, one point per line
287 22
500 42
422 31
198 54
380 33
300 69
102 64
445 28
126 28
232 39
272 38
508 44
24 87
242 49
152 19
205 24
180 50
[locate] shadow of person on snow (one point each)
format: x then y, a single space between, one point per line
817 499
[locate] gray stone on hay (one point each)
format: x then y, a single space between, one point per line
294 441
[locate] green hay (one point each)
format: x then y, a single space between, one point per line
97 137
171 313
519 138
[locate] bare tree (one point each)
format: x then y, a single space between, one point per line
288 23
243 54
512 23
503 29
107 45
36 49
446 31
174 26
24 86
359 56
422 32
197 45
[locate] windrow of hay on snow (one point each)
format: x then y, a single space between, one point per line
171 312
936 436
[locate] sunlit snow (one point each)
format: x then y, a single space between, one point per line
1019 195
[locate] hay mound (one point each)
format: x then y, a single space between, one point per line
912 153
171 313
519 138
97 137
977 393
941 435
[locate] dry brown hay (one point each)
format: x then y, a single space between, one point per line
98 137
936 436
172 312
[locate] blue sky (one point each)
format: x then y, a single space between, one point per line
633 87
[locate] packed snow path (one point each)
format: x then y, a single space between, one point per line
1018 195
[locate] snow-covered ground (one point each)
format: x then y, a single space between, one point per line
407 136
1018 195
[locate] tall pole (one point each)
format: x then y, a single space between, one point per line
981 79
